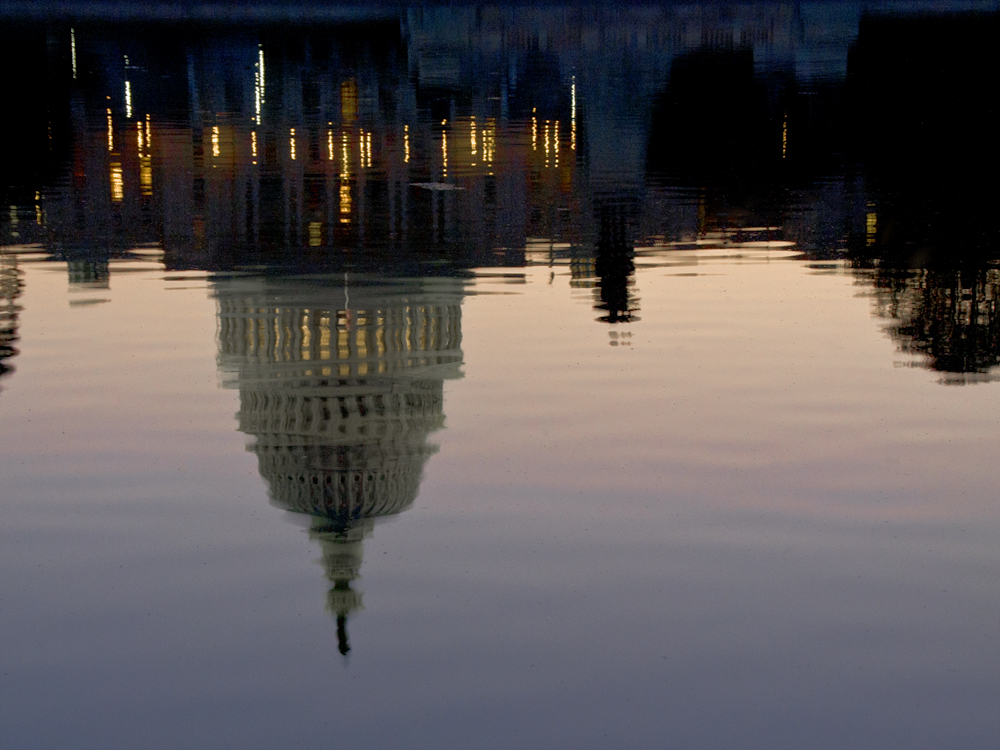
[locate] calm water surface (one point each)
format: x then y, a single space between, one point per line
502 378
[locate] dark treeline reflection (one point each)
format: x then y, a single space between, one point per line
457 137
341 383
10 290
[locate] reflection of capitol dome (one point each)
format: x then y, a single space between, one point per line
341 387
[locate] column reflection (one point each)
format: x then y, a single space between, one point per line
341 384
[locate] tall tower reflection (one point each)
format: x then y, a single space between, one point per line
341 383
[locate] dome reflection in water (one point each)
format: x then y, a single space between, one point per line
341 385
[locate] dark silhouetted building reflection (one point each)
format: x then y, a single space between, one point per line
947 317
341 384
10 290
615 269
473 136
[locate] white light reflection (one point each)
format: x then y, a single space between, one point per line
72 50
128 92
572 115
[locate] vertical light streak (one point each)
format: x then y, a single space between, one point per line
38 208
145 160
215 140
444 150
784 136
72 50
534 130
555 141
253 145
489 142
368 147
572 115
291 143
345 186
406 144
111 132
546 143
256 95
128 92
329 143
117 182
260 68
472 139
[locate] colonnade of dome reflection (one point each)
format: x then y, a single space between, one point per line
341 384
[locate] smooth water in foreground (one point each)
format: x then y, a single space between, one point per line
482 432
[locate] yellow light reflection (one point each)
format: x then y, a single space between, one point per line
406 144
117 182
72 50
444 149
253 145
111 132
349 100
146 175
329 144
534 130
871 227
345 185
291 143
149 138
489 142
38 208
215 140
555 141
315 234
546 143
139 138
472 139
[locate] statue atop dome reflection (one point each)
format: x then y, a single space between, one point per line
341 383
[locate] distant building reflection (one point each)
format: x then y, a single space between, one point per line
341 384
950 318
10 289
615 269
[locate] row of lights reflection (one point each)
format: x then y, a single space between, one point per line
482 142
